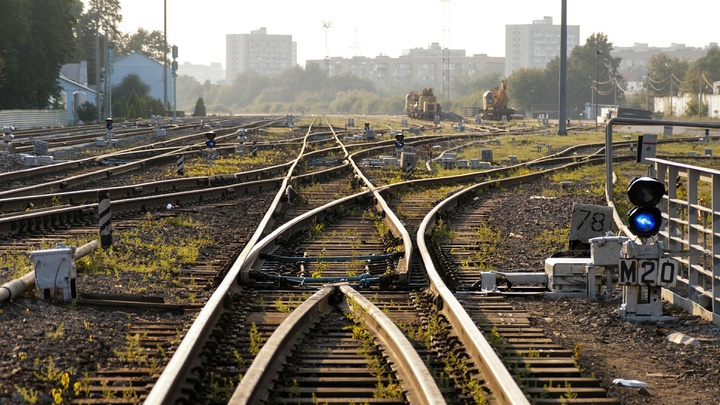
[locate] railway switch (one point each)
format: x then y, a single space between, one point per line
645 218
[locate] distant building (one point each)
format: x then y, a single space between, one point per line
634 63
259 52
202 73
76 72
534 45
415 68
149 71
74 94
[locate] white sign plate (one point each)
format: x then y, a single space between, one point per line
651 272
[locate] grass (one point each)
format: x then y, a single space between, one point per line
551 238
157 250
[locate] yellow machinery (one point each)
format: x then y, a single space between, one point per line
495 103
422 105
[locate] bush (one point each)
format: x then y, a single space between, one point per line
87 112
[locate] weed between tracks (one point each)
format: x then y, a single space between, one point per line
379 369
145 259
157 250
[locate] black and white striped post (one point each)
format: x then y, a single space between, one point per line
254 148
105 218
180 164
407 163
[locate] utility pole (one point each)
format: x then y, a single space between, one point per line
597 85
446 50
326 25
174 76
98 103
562 108
109 70
165 60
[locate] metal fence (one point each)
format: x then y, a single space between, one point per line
691 231
28 119
691 226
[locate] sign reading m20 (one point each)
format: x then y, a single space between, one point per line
651 272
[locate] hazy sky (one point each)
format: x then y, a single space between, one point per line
373 27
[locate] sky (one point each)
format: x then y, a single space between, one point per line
388 27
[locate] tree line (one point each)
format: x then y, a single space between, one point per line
45 35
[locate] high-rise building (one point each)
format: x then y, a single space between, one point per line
259 52
534 45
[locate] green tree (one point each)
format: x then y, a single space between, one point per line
199 108
695 107
131 99
663 73
527 87
150 44
586 67
87 112
131 84
702 72
38 39
245 88
97 30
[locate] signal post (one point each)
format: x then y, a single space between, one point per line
643 269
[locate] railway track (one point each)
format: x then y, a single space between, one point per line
301 309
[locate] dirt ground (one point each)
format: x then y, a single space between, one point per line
611 348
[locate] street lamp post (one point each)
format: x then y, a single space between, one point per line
597 83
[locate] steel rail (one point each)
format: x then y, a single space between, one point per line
65 165
36 220
167 387
419 384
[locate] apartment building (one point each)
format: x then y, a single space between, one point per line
534 45
258 52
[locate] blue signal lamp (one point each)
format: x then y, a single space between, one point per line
399 140
645 193
210 135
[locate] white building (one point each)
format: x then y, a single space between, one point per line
213 72
534 45
259 52
416 68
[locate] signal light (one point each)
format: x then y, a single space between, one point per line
399 140
367 126
210 139
645 193
108 123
